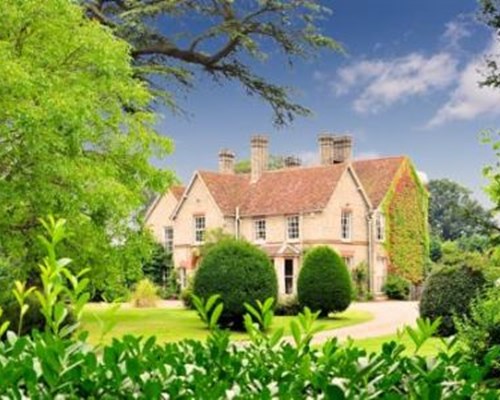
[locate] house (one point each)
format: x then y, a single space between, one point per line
372 211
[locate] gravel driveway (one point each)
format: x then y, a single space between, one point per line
388 317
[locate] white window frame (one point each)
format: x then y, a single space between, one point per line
199 225
168 235
380 227
346 225
259 226
293 227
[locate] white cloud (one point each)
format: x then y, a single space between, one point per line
456 30
423 177
386 82
469 100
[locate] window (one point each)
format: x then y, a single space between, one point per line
199 229
346 225
260 229
348 262
293 227
169 239
380 227
288 275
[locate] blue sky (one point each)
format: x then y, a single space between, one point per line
406 85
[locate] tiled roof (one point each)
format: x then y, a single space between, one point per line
177 191
377 175
292 190
298 189
228 190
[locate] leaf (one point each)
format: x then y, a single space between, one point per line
276 337
214 318
211 302
294 327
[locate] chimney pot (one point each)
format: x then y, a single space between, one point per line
342 149
259 155
326 143
226 161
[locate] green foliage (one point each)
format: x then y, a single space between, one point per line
360 280
159 267
212 237
244 166
448 291
288 305
75 141
54 365
396 287
453 213
479 332
209 311
233 36
435 249
324 283
490 14
424 330
407 236
187 293
240 273
145 294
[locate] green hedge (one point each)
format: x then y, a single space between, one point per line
240 273
449 290
397 288
324 283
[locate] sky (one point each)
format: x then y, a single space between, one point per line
406 85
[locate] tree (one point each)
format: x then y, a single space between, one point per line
244 166
75 141
490 14
454 213
224 40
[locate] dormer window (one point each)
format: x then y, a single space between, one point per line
260 229
380 227
199 228
293 231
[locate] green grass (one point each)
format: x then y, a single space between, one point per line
170 325
431 347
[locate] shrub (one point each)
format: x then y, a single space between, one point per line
479 332
288 305
396 287
145 294
324 283
240 273
360 281
448 291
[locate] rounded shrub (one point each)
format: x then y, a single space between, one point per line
448 291
324 283
397 288
240 273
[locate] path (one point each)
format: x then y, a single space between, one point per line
388 317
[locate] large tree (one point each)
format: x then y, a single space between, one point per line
75 141
173 41
453 213
490 14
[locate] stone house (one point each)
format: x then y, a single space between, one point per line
286 211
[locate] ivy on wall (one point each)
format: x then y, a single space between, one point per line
407 235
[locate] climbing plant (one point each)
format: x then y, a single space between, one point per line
407 235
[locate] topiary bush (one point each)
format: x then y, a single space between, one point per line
324 283
396 287
448 291
240 273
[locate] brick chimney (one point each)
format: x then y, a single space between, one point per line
342 149
259 155
292 161
326 142
226 161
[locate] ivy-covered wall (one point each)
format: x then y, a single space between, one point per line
407 236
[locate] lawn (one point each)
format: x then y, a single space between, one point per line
170 325
431 347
